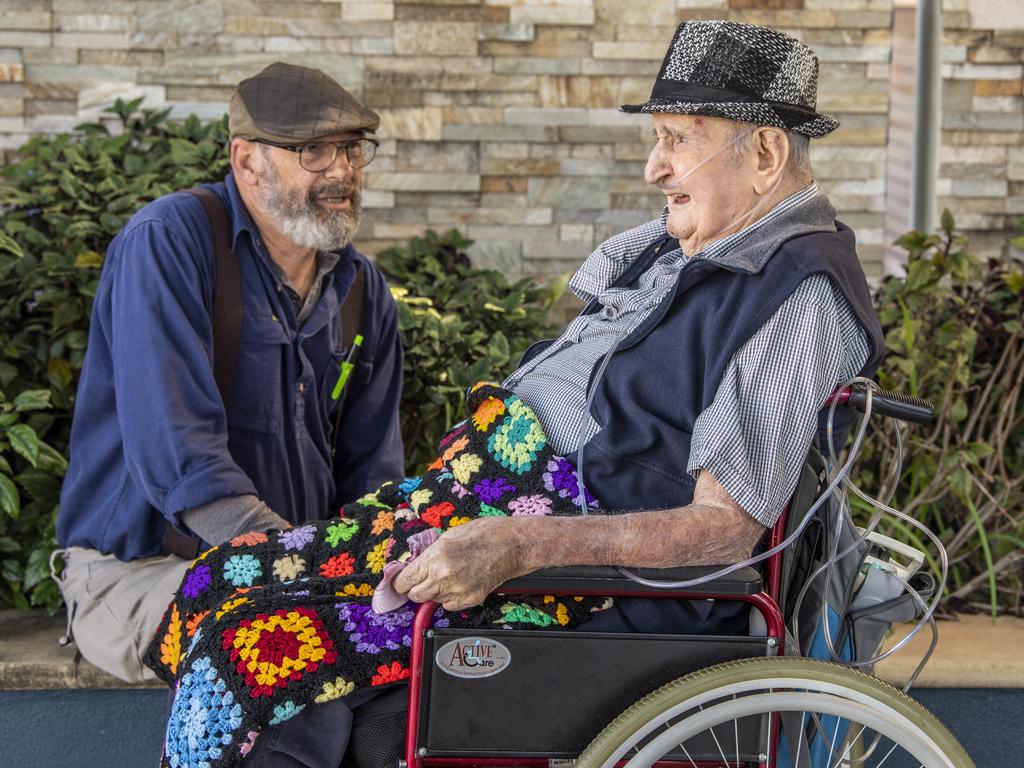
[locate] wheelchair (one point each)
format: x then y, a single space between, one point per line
561 699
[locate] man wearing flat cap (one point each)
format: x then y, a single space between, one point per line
724 324
201 418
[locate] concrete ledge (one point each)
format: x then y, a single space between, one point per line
32 660
972 652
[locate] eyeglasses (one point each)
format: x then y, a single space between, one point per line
318 156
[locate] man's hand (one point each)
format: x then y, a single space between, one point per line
465 565
462 567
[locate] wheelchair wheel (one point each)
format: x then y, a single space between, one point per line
732 714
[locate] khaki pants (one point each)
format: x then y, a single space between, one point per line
114 607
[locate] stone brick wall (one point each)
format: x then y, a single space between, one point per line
981 161
499 115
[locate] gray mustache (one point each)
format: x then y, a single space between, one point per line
335 190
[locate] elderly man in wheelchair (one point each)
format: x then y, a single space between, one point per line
710 355
689 389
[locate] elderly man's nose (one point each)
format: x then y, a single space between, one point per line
657 167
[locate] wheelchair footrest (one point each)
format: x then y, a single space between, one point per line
547 694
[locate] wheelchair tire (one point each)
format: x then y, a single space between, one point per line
662 724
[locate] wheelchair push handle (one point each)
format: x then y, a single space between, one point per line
885 403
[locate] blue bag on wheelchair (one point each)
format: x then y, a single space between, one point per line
844 611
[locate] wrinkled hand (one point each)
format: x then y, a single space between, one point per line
463 566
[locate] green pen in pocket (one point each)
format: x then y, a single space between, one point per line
346 366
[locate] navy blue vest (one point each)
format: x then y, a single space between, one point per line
667 371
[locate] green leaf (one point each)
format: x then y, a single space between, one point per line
7 373
59 371
40 485
133 165
959 410
919 274
125 109
70 185
986 551
32 400
911 241
185 152
8 545
12 572
10 502
24 441
498 347
52 460
10 245
980 450
88 260
947 222
37 568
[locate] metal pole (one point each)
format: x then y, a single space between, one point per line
927 113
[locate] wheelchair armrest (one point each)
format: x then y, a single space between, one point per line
608 581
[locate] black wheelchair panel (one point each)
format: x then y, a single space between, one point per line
552 692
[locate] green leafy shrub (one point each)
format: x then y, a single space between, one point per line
62 202
30 476
954 337
473 326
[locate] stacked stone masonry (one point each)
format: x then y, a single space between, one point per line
499 116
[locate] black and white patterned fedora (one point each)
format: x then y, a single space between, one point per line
739 72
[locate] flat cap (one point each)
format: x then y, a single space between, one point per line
288 103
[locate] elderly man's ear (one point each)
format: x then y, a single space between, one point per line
771 148
246 162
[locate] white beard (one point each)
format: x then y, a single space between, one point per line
302 221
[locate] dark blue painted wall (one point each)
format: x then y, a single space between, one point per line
988 722
124 729
82 729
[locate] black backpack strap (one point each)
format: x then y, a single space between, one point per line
351 318
227 333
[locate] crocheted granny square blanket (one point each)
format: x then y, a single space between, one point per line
270 623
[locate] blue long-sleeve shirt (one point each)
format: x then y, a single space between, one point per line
150 437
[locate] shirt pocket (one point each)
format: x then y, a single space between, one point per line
359 378
258 394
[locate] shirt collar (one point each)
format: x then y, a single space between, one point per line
802 213
241 220
742 250
325 262
720 249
